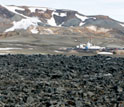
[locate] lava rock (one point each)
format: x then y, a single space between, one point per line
59 80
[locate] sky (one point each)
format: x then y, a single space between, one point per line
111 8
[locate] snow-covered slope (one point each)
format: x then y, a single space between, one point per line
24 24
122 24
82 18
13 9
51 21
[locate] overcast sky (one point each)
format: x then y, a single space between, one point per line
112 8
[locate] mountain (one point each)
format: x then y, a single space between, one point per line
35 18
41 20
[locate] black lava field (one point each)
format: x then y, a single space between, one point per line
61 81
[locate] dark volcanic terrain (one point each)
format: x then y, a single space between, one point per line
61 81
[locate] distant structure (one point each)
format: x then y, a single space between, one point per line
89 46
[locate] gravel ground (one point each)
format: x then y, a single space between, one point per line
48 44
61 81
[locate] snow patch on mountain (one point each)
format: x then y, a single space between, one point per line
60 14
34 30
122 25
94 18
81 24
63 14
51 21
24 24
55 13
60 25
83 18
14 8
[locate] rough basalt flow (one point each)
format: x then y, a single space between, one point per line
58 80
